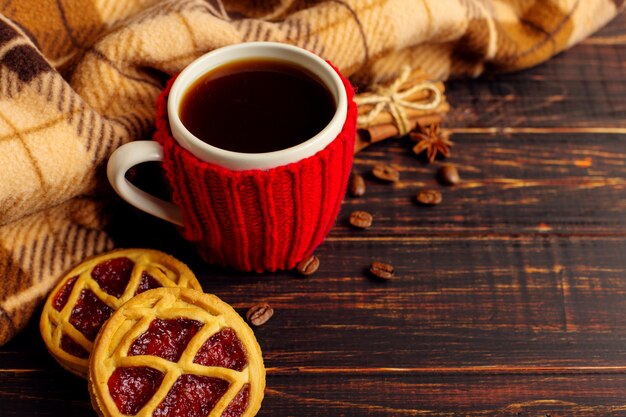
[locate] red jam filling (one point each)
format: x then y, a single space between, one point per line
64 293
223 349
89 314
70 346
113 275
191 396
239 404
147 283
132 388
166 339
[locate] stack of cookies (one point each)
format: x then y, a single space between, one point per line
137 325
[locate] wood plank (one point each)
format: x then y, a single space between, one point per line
351 395
562 183
454 303
52 392
581 87
437 395
508 131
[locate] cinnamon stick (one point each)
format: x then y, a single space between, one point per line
385 118
373 134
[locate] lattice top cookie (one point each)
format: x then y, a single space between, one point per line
86 296
176 352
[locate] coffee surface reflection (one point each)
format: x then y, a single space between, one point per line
256 106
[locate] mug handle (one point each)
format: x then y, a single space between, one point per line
126 157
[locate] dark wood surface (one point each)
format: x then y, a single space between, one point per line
510 296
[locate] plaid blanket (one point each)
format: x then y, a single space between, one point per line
78 78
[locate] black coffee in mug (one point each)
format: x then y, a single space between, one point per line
257 105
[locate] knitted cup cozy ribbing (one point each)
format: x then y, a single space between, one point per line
258 220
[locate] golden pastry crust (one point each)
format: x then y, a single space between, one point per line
134 318
55 324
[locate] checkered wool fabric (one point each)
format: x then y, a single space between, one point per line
80 77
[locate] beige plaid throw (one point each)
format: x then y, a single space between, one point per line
80 77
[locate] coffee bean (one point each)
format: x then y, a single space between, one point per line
361 219
357 185
259 314
449 175
429 197
382 270
309 265
386 173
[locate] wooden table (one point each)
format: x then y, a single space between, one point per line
510 296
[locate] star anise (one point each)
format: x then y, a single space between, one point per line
432 140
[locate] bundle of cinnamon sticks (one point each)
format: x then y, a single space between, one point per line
399 106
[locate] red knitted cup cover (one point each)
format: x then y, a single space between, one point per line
258 220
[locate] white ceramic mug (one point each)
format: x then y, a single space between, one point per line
134 153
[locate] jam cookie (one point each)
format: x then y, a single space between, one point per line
176 352
86 297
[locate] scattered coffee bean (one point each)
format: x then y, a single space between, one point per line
361 219
259 314
449 175
386 173
429 197
309 265
382 270
357 185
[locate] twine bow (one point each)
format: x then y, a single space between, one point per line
394 99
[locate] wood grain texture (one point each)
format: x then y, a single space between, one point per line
512 183
509 296
351 395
